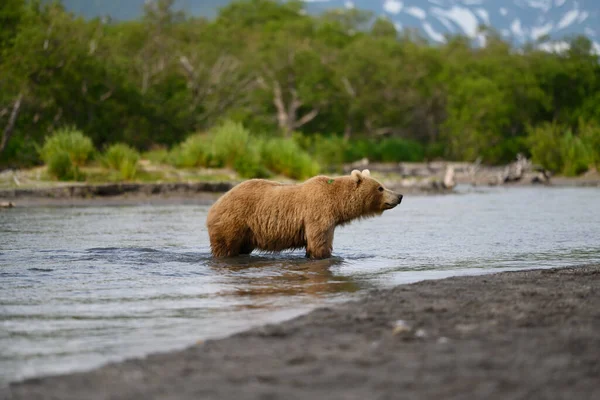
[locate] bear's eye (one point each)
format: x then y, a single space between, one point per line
380 189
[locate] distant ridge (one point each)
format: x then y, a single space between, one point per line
520 21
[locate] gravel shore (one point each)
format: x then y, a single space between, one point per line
513 335
117 194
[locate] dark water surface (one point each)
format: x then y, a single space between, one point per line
81 286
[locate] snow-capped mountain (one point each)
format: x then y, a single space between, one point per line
518 20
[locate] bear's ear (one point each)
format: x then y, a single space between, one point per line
356 175
366 172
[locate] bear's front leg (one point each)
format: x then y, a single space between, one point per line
319 242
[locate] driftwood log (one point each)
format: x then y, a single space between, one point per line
445 175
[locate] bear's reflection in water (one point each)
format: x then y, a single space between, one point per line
293 275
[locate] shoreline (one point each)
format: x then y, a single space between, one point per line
521 334
203 193
410 178
116 194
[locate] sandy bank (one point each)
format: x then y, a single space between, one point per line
531 334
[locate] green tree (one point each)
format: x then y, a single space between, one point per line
383 27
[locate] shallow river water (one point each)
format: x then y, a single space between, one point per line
82 286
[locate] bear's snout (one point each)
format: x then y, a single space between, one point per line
391 200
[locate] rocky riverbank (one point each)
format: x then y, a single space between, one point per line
408 178
442 176
115 193
528 334
136 193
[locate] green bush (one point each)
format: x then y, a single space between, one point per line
230 140
231 145
328 151
333 151
20 152
158 155
576 156
397 150
122 158
195 151
66 144
357 149
557 149
590 135
249 163
306 142
435 151
545 146
60 166
175 157
506 150
286 157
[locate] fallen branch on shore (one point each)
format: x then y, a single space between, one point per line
443 175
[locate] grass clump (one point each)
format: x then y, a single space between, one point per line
219 148
544 144
576 155
229 141
157 155
228 145
61 167
557 149
65 152
231 145
249 164
328 151
333 151
590 135
122 158
361 148
400 150
195 151
286 157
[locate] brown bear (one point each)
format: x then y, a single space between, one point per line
271 216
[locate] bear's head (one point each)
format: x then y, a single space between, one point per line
372 195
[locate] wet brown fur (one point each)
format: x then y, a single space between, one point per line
271 216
